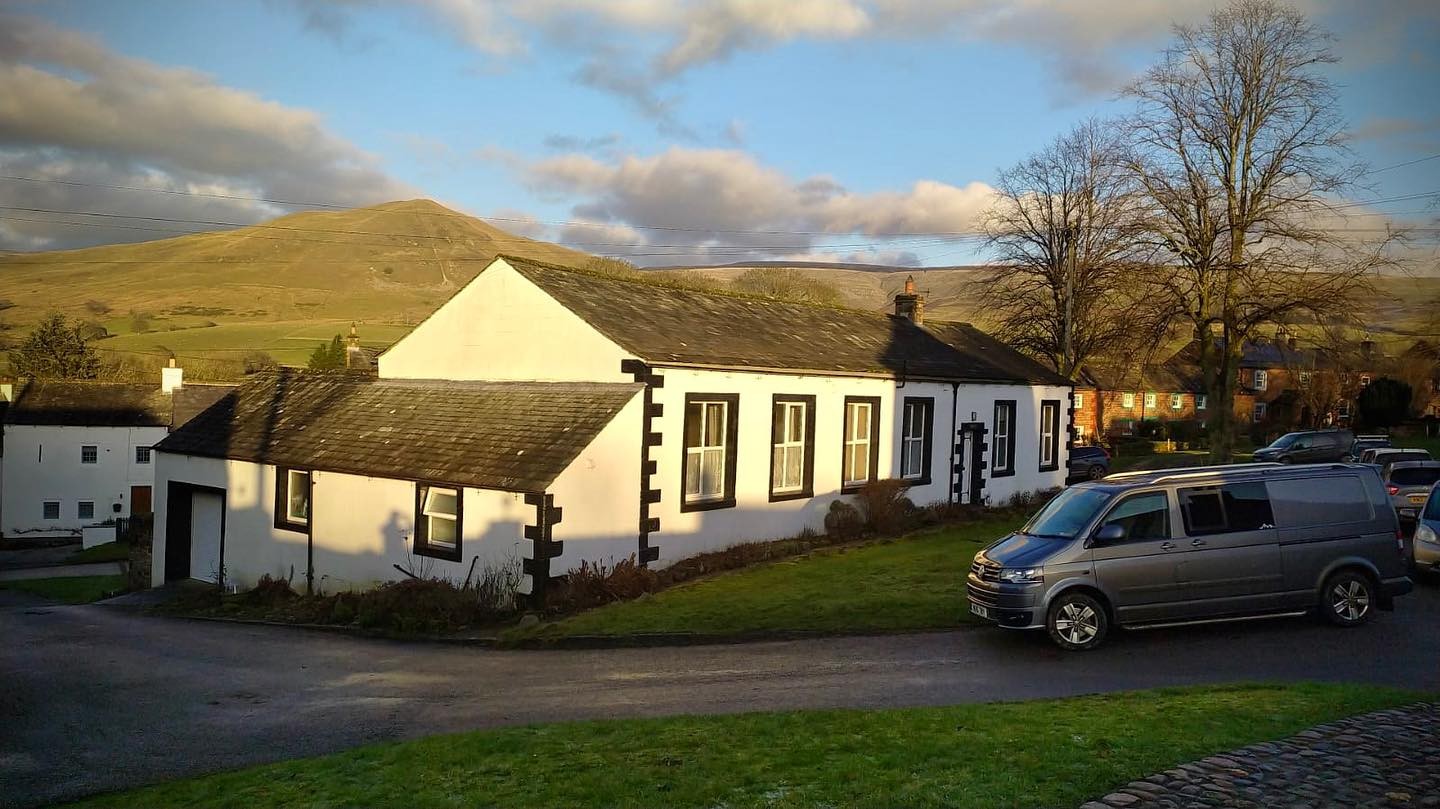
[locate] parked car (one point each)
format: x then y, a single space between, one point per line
1408 483
1181 546
1424 549
1364 442
1089 463
1309 446
1385 457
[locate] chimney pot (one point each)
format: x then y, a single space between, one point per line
352 348
910 304
172 377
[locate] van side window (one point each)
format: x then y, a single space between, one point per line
1303 502
1144 517
1222 509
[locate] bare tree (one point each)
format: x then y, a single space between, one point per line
1240 149
1062 231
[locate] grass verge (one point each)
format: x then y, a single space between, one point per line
1025 754
916 582
69 589
108 552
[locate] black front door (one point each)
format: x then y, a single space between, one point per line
177 533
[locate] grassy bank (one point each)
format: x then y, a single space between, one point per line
1029 754
70 589
917 582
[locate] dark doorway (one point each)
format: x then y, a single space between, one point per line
969 483
140 501
189 508
177 533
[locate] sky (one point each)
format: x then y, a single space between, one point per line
662 131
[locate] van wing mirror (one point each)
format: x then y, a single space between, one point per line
1108 534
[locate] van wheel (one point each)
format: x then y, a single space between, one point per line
1347 599
1097 471
1077 622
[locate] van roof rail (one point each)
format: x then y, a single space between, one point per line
1259 468
1211 469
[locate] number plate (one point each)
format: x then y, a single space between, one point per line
1417 499
980 611
1407 512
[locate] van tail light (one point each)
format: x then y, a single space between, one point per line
1392 489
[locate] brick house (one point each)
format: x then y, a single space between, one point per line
1111 400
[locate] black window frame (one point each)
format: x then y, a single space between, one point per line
996 471
1054 436
927 405
874 471
45 507
79 509
732 446
149 455
93 447
807 474
282 499
420 543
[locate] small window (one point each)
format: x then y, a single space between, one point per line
1080 432
85 509
1079 400
1301 503
792 447
1049 435
1364 380
1259 412
860 462
711 424
89 453
50 509
1177 402
1144 517
1262 380
1228 508
1003 453
142 455
915 430
1150 401
1127 400
438 522
1305 377
1199 401
292 499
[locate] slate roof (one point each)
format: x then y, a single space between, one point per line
515 436
667 325
90 404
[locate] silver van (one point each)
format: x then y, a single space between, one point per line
1196 545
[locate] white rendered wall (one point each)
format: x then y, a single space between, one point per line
362 526
502 326
43 463
600 493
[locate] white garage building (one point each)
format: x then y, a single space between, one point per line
660 422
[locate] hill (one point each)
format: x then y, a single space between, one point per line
278 286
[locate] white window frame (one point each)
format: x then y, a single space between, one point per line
1262 379
1259 412
852 441
1305 377
431 514
702 450
1049 434
1364 380
291 475
94 453
80 510
1177 401
143 455
1200 401
1127 400
45 509
781 450
1151 400
1004 463
914 434
1079 400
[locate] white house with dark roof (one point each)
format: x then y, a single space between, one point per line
659 422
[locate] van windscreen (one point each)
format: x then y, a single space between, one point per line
1065 516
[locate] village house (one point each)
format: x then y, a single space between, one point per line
78 453
546 416
1113 402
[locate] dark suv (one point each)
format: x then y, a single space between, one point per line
1313 446
1088 463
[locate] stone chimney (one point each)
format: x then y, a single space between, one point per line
910 304
172 377
354 358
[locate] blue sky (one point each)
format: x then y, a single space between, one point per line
824 129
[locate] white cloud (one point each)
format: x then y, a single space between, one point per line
72 110
724 205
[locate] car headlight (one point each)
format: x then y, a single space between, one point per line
1021 575
1425 533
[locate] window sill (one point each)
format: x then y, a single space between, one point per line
444 554
1006 473
1054 467
298 527
780 497
916 481
707 505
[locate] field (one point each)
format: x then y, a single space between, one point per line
288 341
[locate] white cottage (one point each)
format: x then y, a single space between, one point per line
660 422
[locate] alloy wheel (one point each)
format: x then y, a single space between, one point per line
1077 623
1350 600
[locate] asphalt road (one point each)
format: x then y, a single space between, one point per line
95 698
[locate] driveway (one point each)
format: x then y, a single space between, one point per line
98 698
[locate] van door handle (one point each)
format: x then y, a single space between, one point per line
1167 546
1195 543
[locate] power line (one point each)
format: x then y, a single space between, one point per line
1401 165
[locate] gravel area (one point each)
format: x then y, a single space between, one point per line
1383 759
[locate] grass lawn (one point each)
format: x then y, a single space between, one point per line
287 341
109 552
1025 754
70 589
912 583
